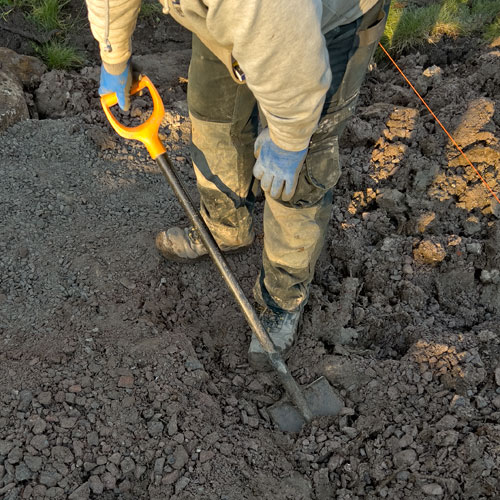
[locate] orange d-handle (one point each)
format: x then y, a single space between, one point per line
146 132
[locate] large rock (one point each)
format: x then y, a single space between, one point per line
27 69
13 107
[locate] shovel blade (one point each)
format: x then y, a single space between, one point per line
321 399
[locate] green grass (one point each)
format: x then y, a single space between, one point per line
57 55
150 9
492 31
48 13
409 27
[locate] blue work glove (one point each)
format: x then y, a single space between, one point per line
119 84
277 169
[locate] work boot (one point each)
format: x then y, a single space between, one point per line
185 245
282 327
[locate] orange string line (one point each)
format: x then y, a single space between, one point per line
440 124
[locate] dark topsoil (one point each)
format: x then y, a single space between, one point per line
124 376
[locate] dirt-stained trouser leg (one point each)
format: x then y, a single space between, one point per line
295 231
224 127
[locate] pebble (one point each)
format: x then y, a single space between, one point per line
181 484
155 428
171 477
496 402
81 493
447 422
23 472
172 425
497 376
5 447
39 426
432 489
25 399
126 381
180 457
67 422
108 481
405 458
158 467
49 478
33 462
127 465
15 455
206 455
96 485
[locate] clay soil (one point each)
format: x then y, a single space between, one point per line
125 377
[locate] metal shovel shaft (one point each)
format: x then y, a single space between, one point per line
253 320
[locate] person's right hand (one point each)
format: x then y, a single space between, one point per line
118 83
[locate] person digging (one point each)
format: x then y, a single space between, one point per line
289 68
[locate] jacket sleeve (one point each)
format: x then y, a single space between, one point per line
279 46
112 23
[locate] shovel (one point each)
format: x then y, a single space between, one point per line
318 398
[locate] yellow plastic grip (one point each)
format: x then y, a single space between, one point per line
146 132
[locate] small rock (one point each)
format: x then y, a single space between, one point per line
125 486
238 381
15 455
115 458
126 381
447 422
33 462
25 398
23 473
127 465
81 493
496 402
62 454
5 447
39 426
433 489
180 457
172 425
93 438
155 428
67 422
181 484
205 456
96 485
171 478
497 376
474 248
193 364
108 481
405 458
40 442
446 438
159 464
49 478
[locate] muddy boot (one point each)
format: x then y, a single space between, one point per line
185 245
282 327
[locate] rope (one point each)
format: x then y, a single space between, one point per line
441 125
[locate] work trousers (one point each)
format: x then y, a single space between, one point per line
225 122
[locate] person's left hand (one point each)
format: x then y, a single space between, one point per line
277 168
